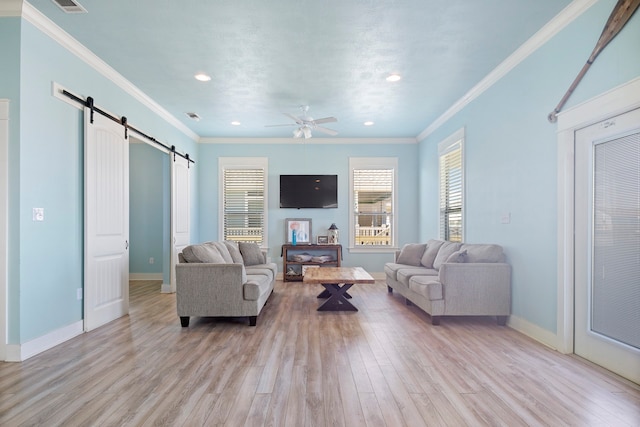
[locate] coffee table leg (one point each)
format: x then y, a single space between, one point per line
337 300
327 294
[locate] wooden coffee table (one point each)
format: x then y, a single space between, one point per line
336 281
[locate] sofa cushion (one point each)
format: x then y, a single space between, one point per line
251 253
222 248
483 253
255 286
411 254
430 252
445 252
391 269
204 252
406 273
234 251
260 269
427 287
458 256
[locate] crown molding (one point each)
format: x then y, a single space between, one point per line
310 141
10 8
44 24
546 33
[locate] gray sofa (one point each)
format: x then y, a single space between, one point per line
452 279
223 279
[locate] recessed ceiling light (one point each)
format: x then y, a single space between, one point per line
202 77
393 77
368 123
236 123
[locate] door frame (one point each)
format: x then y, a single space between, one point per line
612 103
4 227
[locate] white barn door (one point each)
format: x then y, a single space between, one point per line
106 218
180 212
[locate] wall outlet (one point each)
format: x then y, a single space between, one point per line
151 260
79 294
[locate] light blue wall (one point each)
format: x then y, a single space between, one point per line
148 206
309 158
511 154
47 267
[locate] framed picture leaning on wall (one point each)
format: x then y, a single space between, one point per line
298 229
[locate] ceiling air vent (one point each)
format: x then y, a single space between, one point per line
70 6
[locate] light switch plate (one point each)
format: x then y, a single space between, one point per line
505 218
38 214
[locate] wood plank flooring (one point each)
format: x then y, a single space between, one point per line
384 365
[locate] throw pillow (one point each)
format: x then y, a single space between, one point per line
445 252
222 248
458 256
483 252
202 253
433 246
411 254
251 253
234 251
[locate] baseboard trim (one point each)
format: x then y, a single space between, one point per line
535 332
166 288
145 276
22 352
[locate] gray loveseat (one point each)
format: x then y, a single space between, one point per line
452 279
223 279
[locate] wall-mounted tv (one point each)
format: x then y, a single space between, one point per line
308 191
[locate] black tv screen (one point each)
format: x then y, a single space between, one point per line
308 191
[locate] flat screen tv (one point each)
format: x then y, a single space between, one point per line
308 191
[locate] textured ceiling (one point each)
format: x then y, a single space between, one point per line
269 57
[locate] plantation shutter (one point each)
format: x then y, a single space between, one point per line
615 306
244 205
451 193
373 199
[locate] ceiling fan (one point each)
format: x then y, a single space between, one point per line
307 124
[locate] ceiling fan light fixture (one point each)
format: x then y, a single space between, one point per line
307 132
297 133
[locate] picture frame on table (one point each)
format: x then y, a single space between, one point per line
302 229
322 240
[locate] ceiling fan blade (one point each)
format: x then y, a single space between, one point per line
326 130
325 120
294 118
273 126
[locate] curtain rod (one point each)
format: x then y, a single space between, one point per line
89 103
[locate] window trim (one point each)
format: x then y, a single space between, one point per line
243 163
373 163
447 145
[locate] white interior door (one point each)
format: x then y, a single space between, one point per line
106 192
180 211
607 244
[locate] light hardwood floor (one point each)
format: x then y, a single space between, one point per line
385 365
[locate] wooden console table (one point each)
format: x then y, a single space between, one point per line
292 268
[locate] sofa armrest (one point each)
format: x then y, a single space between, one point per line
198 285
476 288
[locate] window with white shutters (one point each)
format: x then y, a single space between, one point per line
244 207
373 222
451 187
